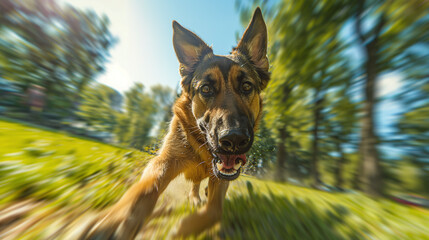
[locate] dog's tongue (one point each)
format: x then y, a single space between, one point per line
228 161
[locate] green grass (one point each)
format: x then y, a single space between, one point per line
46 165
267 210
69 176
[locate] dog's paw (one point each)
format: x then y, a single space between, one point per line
111 225
102 227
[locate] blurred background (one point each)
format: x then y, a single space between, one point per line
86 90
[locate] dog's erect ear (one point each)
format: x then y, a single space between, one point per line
190 49
253 45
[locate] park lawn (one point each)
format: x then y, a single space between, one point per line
47 165
64 174
269 210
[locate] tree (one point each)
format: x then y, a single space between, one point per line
99 107
136 122
57 47
164 98
412 136
311 74
392 29
262 151
341 124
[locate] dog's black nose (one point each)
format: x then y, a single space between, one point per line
234 141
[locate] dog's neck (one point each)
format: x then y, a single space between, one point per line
184 124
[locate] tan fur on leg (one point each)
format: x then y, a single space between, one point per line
207 216
194 194
125 218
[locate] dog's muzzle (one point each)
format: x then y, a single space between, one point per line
228 167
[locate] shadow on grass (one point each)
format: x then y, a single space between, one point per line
258 216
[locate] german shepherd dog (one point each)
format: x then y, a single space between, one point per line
213 127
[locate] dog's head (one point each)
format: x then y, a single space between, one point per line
225 91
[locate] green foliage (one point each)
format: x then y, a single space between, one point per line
132 123
413 176
400 27
339 125
389 33
313 95
55 46
262 151
413 126
99 107
135 123
412 134
164 98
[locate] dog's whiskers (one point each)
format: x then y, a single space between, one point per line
202 144
199 164
195 130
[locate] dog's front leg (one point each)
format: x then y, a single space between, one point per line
194 194
208 215
125 218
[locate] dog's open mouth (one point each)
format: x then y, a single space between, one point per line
228 166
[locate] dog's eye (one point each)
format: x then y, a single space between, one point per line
247 87
206 90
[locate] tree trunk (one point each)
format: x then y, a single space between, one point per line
370 175
339 167
281 155
315 148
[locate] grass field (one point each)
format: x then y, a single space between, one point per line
51 182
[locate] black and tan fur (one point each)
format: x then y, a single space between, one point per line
220 96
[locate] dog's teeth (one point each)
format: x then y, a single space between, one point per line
237 166
228 173
219 166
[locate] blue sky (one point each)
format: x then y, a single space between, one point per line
145 52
